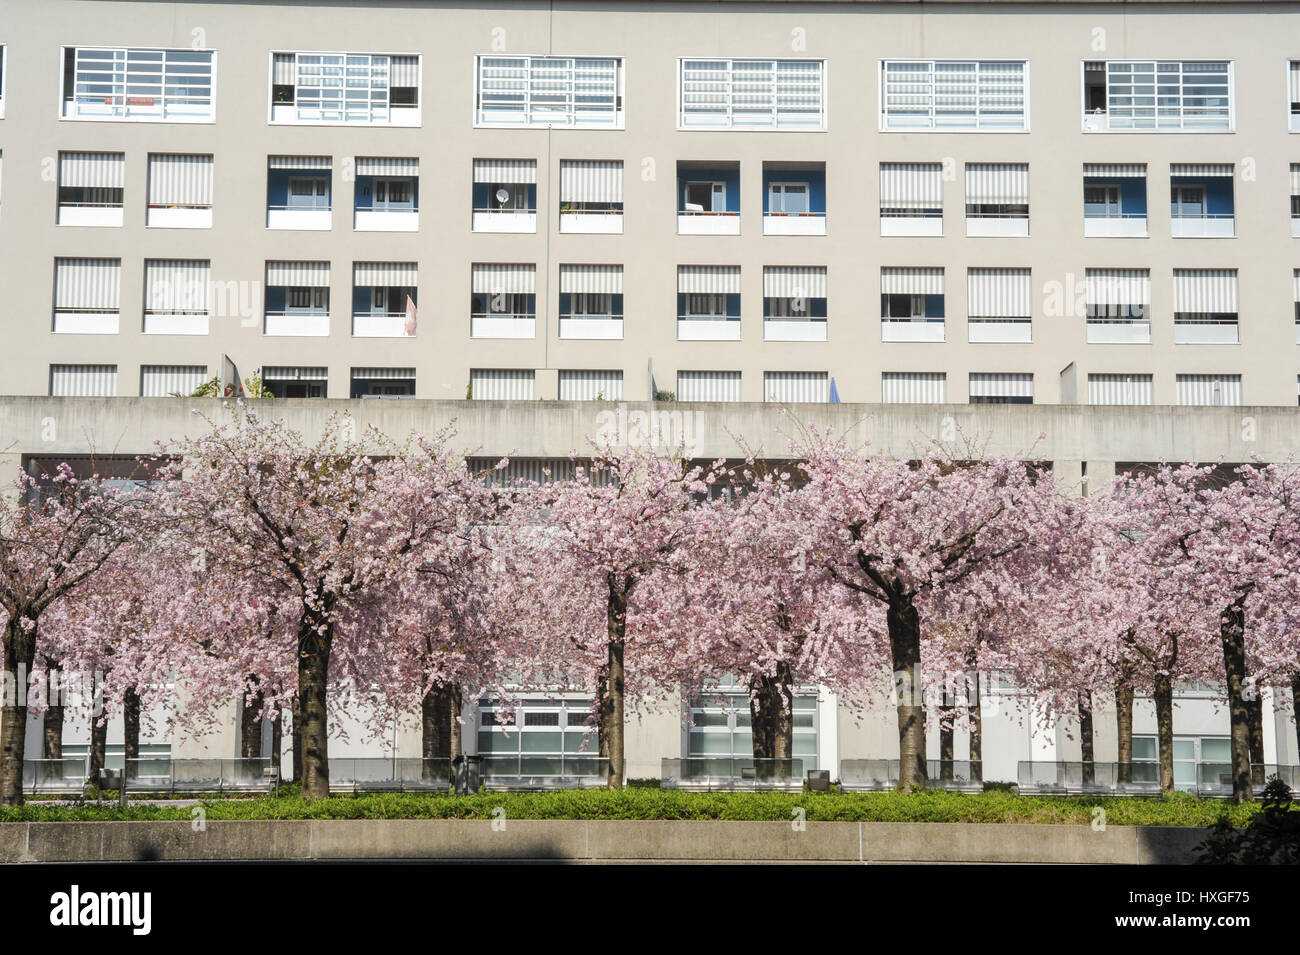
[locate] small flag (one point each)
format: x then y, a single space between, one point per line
411 316
835 393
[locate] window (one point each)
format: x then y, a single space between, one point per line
954 95
502 384
369 89
177 296
1114 199
87 295
1214 390
591 301
286 382
383 383
720 737
1101 201
299 192
384 298
180 190
2 81
297 298
704 197
83 381
911 304
1199 762
751 94
146 85
503 301
588 385
1157 95
914 387
539 737
1118 306
787 198
998 305
90 188
794 198
591 195
505 195
708 386
1293 94
163 381
794 303
1187 201
796 387
1201 200
708 303
1205 306
1295 200
580 92
1120 389
309 193
1001 388
705 305
997 199
911 198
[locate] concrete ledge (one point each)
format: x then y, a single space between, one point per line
593 841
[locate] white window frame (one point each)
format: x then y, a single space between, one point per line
1117 206
317 295
211 116
729 122
717 193
884 127
1106 117
549 120
732 701
782 189
317 181
388 107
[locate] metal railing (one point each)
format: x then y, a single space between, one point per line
877 775
702 212
1113 215
49 776
1201 215
497 210
725 773
389 774
796 215
522 771
311 207
216 775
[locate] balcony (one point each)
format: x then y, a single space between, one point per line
1210 226
911 225
997 226
174 109
911 330
179 217
76 322
708 223
508 220
175 323
996 332
376 116
1115 227
794 223
604 328
793 330
1119 333
1205 333
595 223
90 214
314 324
379 325
503 326
386 220
507 771
302 218
1295 228
691 329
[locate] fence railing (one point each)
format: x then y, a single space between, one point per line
199 775
1046 777
875 775
722 773
46 776
389 774
510 771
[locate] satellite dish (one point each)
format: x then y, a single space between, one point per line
503 196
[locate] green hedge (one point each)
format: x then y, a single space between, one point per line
649 803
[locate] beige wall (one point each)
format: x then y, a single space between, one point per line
850 36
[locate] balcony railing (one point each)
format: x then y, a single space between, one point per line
1118 331
591 326
176 109
313 218
794 329
690 222
727 773
309 323
911 330
86 321
1117 225
875 775
1007 331
502 325
708 328
389 774
160 774
1046 777
90 213
44 776
386 220
175 323
179 216
591 221
1206 332
997 225
794 223
379 325
1217 225
505 220
921 223
529 771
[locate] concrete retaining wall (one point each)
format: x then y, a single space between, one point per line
593 841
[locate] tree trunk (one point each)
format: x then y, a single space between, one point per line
1163 694
612 727
1232 635
19 651
98 748
905 647
976 729
1255 707
315 640
947 741
295 738
130 734
771 709
1295 709
1087 751
1124 732
277 741
250 726
439 728
52 721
